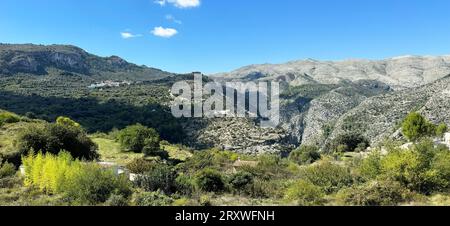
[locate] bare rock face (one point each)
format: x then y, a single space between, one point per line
117 61
235 134
33 59
24 64
69 61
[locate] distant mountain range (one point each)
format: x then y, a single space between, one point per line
320 99
45 60
398 73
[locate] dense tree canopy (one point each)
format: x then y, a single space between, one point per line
53 138
138 138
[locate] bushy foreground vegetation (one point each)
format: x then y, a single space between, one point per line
79 182
59 175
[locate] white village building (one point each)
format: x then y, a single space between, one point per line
447 139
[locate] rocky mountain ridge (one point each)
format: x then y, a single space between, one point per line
42 60
398 72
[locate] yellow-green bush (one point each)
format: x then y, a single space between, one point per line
65 121
304 193
370 167
48 172
7 117
81 182
329 176
413 169
376 193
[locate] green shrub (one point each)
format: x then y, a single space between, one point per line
185 184
205 200
52 138
415 126
441 129
304 193
305 155
137 137
154 152
199 160
376 193
10 182
65 121
152 199
209 180
349 142
7 117
214 158
116 200
273 189
413 168
271 167
140 166
441 163
95 185
165 143
329 176
7 170
241 180
161 177
370 167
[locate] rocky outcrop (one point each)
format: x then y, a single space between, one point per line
235 134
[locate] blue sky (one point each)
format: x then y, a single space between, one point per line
222 35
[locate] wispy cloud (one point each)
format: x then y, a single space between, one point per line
160 2
164 32
180 3
171 18
128 35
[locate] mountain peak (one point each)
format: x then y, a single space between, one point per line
39 59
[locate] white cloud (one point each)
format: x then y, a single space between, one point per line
164 32
161 2
128 35
180 3
171 18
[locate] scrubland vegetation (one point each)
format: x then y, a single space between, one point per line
60 167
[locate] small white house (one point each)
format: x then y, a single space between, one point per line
447 139
22 170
